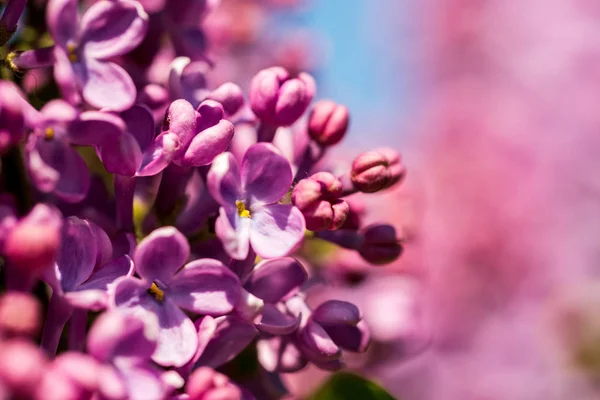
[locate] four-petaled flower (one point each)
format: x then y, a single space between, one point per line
248 196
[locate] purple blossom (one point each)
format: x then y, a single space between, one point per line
249 213
123 345
190 138
202 286
53 164
83 47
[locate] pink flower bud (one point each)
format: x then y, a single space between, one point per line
328 122
20 315
317 198
206 383
380 244
31 246
230 96
22 365
377 170
279 99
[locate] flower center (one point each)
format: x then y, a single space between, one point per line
49 133
241 209
156 292
72 52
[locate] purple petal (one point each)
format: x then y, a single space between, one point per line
94 127
61 17
232 335
103 244
205 287
230 96
208 144
181 120
349 337
159 155
234 233
266 174
58 112
206 327
143 382
275 322
223 180
188 80
77 253
316 343
276 279
110 383
140 123
107 85
161 254
280 354
276 230
177 339
56 167
113 28
67 79
108 273
115 334
337 312
121 155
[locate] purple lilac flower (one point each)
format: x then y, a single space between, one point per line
83 47
249 214
53 164
202 286
190 138
123 345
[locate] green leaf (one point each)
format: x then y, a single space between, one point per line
346 386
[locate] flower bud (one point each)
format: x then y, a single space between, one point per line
328 122
206 383
20 315
377 170
317 198
380 244
32 245
22 366
230 96
279 99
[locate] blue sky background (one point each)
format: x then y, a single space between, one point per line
365 45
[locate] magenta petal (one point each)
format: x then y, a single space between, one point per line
161 254
94 127
205 286
140 123
77 254
107 85
317 344
276 230
58 112
350 337
234 233
232 335
159 154
121 155
103 244
208 144
108 273
181 120
56 167
266 174
280 354
110 383
66 77
223 180
113 28
142 382
116 334
337 312
61 17
276 322
273 280
177 340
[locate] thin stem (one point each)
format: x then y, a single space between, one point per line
59 312
77 328
266 132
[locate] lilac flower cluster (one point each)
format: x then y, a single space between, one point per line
165 225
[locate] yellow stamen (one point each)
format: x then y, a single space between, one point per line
156 292
241 209
49 133
71 50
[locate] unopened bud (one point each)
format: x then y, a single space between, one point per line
381 244
230 96
377 170
20 315
328 123
278 98
317 197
